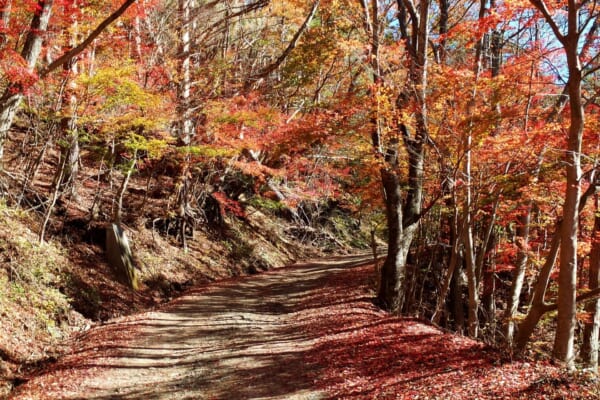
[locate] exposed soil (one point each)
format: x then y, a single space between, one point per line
308 331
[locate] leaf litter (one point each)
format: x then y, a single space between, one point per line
308 331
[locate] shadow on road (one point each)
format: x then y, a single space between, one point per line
238 339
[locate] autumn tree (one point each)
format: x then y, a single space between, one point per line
27 74
570 32
13 93
403 202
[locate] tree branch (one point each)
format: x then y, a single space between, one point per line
541 6
582 298
272 67
68 56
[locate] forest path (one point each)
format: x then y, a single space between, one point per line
235 339
307 331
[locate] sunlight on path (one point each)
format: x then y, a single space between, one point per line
234 340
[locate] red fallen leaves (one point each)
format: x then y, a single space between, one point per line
349 349
229 206
363 353
87 354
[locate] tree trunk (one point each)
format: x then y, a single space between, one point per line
538 306
402 216
488 299
537 309
472 284
72 153
118 253
184 109
468 243
69 124
521 264
53 197
393 271
440 49
118 211
185 129
13 94
415 147
452 264
590 347
467 238
518 274
567 279
456 297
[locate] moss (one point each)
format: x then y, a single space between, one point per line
265 204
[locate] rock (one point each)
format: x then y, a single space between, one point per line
119 255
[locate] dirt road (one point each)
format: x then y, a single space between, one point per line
307 331
234 340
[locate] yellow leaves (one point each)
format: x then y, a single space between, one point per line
154 147
209 151
293 10
117 108
116 89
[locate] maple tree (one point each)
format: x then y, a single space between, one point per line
26 73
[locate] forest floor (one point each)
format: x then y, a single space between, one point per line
308 331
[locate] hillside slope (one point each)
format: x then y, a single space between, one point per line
51 290
54 277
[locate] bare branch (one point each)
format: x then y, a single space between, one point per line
68 56
273 66
582 298
541 6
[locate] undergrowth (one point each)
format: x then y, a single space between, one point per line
35 314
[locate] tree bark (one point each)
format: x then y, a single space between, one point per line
184 110
456 298
521 264
118 211
440 50
53 197
518 274
452 266
567 279
71 153
186 128
393 271
13 94
467 238
488 272
404 216
69 124
538 306
591 345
